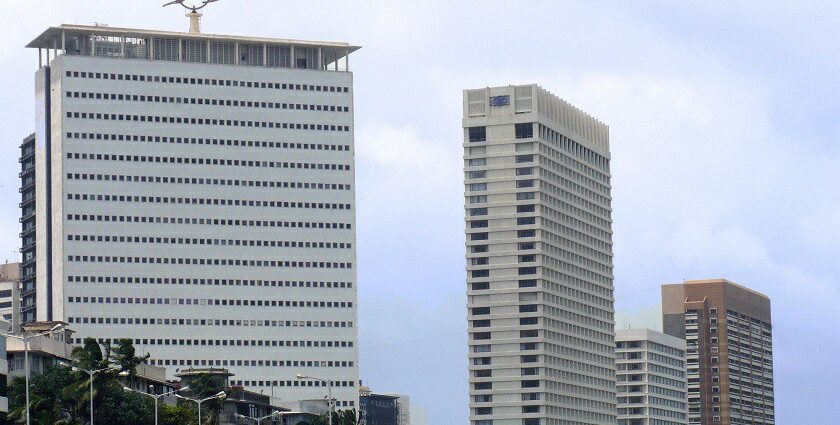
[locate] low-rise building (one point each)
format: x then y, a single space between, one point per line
10 294
382 409
651 378
45 351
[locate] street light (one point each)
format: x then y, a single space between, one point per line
258 421
91 373
157 397
329 392
26 340
220 395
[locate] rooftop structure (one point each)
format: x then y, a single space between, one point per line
132 43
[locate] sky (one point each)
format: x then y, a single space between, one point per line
723 128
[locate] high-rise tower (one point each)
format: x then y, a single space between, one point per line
539 260
195 193
729 340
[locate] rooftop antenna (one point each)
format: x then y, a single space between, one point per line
194 14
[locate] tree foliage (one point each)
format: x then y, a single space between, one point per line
60 396
341 417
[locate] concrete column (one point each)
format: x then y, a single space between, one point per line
265 54
292 52
235 52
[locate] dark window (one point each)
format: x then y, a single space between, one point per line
529 258
483 385
529 333
480 286
530 308
524 130
478 223
525 321
481 335
523 233
529 359
478 236
479 311
530 384
478 134
523 221
524 158
527 270
481 323
527 171
524 183
525 208
528 283
481 273
485 373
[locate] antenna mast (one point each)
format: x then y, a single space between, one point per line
193 14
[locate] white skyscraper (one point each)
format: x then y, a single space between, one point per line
195 193
539 260
651 375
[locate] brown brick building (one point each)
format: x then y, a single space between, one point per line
729 355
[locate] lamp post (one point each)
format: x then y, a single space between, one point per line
157 397
329 392
219 395
91 373
26 338
258 421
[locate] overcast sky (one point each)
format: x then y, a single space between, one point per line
723 124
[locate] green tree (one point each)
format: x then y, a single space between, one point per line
203 386
49 402
124 356
61 396
341 417
176 415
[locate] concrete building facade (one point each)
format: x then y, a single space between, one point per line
10 297
539 260
729 339
651 378
195 193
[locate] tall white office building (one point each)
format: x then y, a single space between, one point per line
539 260
195 193
651 378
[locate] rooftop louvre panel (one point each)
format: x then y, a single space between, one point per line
128 43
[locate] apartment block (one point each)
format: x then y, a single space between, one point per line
651 378
195 193
539 260
729 339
